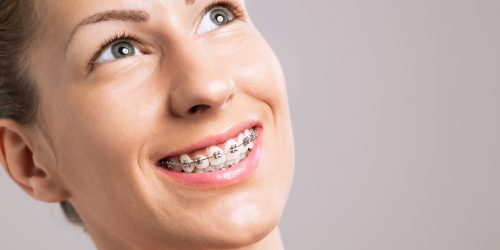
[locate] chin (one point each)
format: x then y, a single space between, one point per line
231 235
240 219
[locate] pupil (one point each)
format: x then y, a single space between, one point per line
220 18
123 49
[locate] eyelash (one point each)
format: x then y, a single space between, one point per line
108 42
233 6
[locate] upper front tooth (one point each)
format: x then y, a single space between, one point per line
248 135
241 142
187 164
201 161
216 155
232 149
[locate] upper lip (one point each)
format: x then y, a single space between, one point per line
216 139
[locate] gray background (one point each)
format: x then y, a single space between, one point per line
395 108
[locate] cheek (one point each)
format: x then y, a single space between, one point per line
257 72
258 75
101 129
101 132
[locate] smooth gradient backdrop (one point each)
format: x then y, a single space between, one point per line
396 112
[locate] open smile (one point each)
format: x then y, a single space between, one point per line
219 160
215 158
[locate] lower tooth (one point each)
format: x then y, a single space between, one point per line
231 163
189 169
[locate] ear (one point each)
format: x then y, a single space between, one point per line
17 158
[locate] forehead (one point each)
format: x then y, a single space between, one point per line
57 14
58 18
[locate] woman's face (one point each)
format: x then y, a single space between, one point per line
126 84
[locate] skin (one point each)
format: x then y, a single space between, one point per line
97 135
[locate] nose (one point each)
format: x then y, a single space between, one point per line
199 85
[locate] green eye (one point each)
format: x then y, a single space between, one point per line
215 18
220 16
118 50
122 49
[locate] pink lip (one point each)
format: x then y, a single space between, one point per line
226 177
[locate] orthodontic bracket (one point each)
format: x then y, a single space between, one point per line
246 140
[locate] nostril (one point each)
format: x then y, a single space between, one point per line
200 108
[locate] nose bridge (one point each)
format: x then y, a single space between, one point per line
198 84
188 57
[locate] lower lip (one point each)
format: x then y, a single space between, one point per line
222 178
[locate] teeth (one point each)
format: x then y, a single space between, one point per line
177 169
230 163
217 156
243 148
232 150
201 162
248 135
186 166
219 167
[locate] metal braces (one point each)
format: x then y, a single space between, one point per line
216 155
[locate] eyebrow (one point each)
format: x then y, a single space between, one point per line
116 15
137 16
129 15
